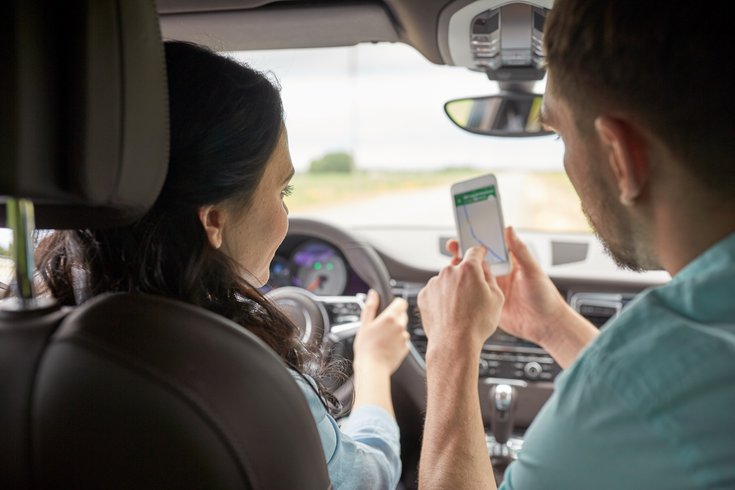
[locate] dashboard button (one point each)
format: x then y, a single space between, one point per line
532 369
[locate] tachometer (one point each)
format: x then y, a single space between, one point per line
319 268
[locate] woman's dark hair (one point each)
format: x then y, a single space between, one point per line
225 122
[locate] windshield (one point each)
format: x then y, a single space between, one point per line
372 145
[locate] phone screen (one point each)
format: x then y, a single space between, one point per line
479 221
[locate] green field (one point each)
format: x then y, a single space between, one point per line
315 190
532 200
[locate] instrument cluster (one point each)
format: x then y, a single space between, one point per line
314 265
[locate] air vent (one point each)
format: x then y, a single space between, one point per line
599 308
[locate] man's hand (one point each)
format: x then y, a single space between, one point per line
534 310
460 309
461 306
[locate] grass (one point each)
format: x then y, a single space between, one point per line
312 191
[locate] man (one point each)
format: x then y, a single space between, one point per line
636 91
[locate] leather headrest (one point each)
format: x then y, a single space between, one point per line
84 119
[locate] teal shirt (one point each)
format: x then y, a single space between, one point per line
650 404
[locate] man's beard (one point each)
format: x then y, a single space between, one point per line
619 239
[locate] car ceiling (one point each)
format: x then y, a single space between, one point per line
256 24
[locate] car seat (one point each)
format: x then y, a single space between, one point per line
126 390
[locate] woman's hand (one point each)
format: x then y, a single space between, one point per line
381 345
382 340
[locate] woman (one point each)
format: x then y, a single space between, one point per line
210 237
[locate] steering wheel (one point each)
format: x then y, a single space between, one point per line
325 321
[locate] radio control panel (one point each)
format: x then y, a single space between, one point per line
497 363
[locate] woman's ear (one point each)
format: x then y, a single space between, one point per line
212 218
625 148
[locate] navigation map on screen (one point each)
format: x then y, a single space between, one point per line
479 222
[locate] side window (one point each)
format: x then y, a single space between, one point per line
6 263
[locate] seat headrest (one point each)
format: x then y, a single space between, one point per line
84 122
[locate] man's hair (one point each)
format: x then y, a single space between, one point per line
659 60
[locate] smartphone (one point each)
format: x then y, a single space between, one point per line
479 220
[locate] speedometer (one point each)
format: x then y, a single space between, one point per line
319 268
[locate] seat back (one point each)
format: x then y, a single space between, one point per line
127 390
23 339
158 394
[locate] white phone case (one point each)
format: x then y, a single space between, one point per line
478 218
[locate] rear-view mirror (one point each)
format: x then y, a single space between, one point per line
508 114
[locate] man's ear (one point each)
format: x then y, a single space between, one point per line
625 147
213 219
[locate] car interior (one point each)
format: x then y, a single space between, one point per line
139 391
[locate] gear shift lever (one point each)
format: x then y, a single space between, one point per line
503 403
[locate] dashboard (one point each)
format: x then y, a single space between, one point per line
322 270
318 264
321 258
